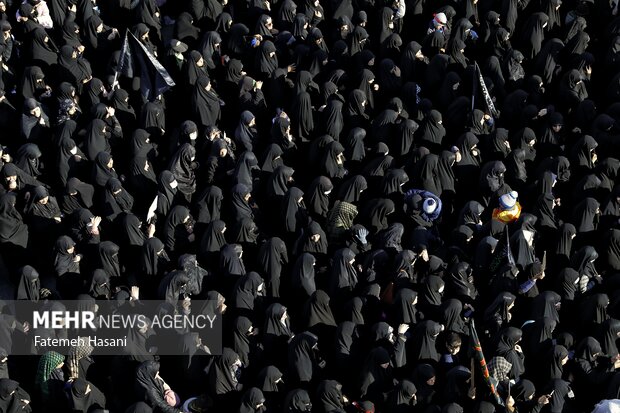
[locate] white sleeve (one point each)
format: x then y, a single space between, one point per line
151 213
44 17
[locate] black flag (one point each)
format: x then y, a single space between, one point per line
137 61
485 93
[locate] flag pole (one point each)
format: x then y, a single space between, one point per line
473 86
121 59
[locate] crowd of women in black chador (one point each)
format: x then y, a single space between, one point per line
330 177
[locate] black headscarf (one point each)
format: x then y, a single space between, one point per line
585 215
366 86
573 89
222 377
533 33
272 257
245 135
278 181
432 130
424 335
133 235
301 358
206 103
174 229
330 398
456 50
213 239
547 60
611 328
63 260
184 29
297 401
12 228
83 401
317 310
302 277
567 284
117 199
42 48
265 63
97 140
153 256
28 159
452 319
241 207
209 205
376 212
404 306
77 70
100 285
101 172
274 324
108 258
272 158
393 181
182 168
77 195
231 263
350 191
29 284
427 170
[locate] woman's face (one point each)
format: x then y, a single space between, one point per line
455 350
110 163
